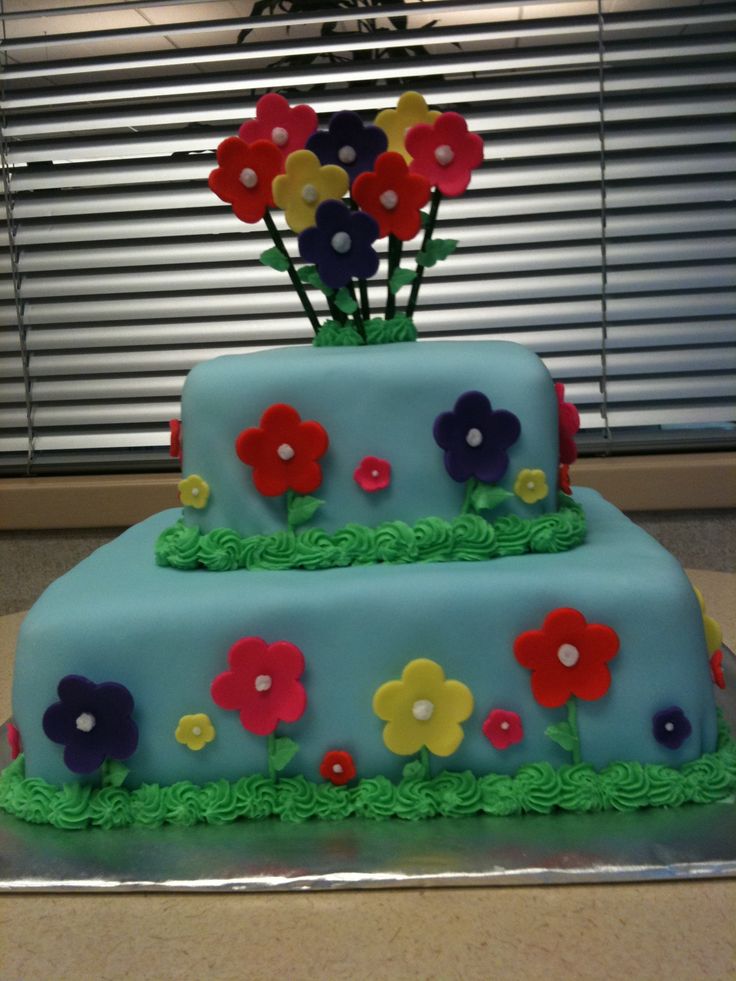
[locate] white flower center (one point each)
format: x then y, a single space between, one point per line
279 135
196 730
337 768
474 437
669 726
444 155
248 177
422 710
374 474
86 722
389 199
341 242
530 485
346 154
310 194
505 726
285 452
263 682
568 655
194 491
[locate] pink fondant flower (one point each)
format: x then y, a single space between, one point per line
503 729
445 153
716 669
372 474
262 684
288 128
12 734
338 767
569 423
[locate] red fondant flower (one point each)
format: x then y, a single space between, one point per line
12 734
716 669
568 656
286 127
373 474
175 438
283 452
262 684
338 767
563 478
503 729
245 176
393 196
569 423
445 153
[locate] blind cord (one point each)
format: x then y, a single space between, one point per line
604 229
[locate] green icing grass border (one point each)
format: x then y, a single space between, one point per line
535 788
467 538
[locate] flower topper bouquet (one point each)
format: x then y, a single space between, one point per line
343 188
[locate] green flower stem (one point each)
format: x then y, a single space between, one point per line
289 501
424 760
335 312
432 218
271 748
365 308
293 275
572 721
394 260
357 316
470 486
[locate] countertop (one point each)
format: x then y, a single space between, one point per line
677 930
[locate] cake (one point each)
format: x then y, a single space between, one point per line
380 597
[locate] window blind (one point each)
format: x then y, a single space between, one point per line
600 231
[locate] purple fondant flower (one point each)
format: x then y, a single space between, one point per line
92 721
671 727
340 244
475 438
348 143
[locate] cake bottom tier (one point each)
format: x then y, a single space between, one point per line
166 635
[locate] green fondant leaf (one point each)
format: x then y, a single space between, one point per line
414 770
563 735
486 497
310 276
274 258
436 250
344 301
114 773
301 509
284 750
401 277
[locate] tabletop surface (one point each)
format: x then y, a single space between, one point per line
648 930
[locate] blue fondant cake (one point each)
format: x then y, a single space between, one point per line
377 602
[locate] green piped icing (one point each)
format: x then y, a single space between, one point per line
535 788
396 330
467 538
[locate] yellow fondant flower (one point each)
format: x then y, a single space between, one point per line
423 709
411 110
531 486
304 186
713 632
194 492
195 731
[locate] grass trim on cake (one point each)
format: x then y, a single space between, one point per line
467 538
536 788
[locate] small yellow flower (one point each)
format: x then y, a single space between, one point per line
305 185
195 731
194 492
713 632
423 709
531 486
411 110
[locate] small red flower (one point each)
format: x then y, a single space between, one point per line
373 474
12 734
245 176
338 767
392 196
569 423
283 452
175 438
445 153
262 684
563 478
286 127
567 657
716 669
503 729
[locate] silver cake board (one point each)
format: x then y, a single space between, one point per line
695 841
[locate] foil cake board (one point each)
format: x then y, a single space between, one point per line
695 841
